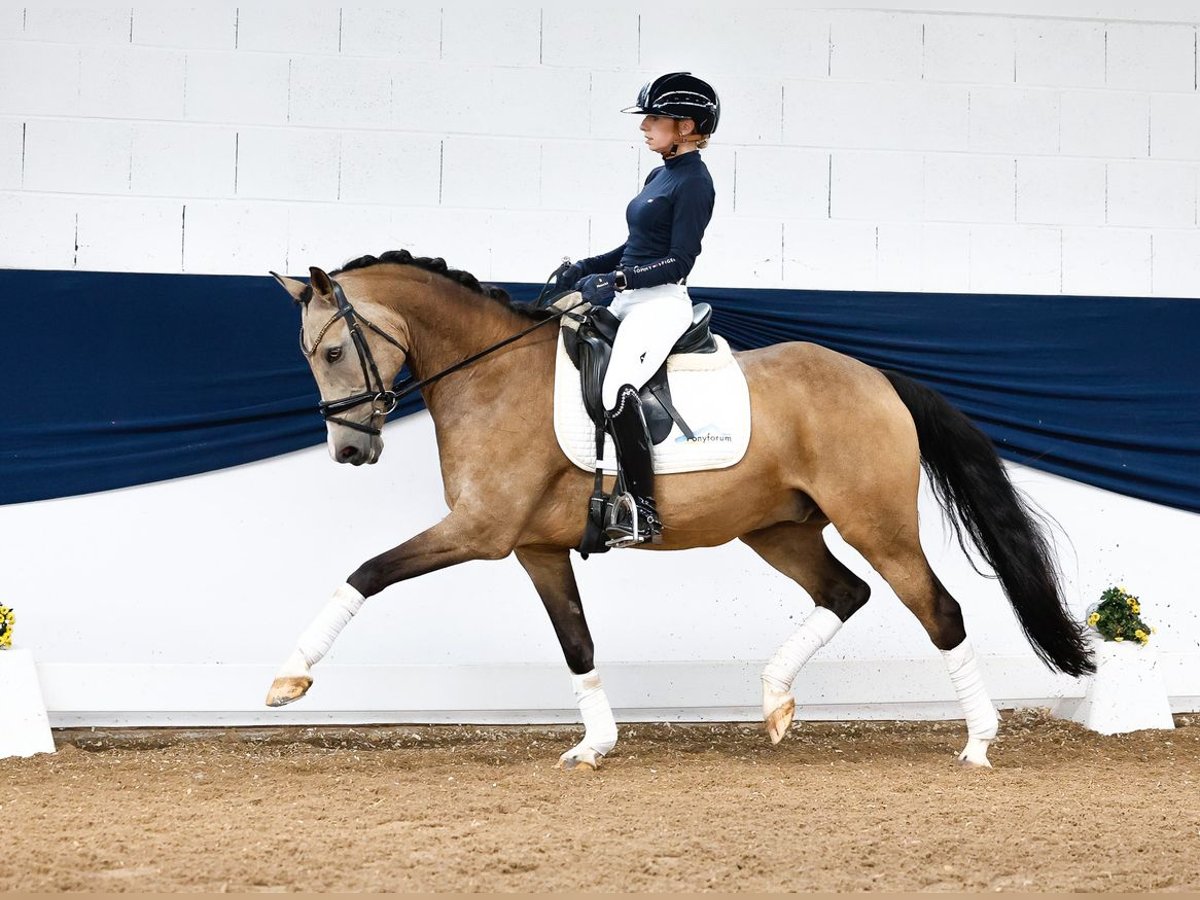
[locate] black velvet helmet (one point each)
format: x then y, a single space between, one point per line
680 95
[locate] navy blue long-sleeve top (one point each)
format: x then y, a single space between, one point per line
666 224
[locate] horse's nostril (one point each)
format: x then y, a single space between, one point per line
348 454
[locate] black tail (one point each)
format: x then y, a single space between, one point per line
975 491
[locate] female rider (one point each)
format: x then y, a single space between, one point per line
644 278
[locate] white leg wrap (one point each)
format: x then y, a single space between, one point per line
318 637
982 720
600 728
816 631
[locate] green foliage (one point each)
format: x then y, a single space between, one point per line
1118 617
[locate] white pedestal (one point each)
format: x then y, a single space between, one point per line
1127 693
24 727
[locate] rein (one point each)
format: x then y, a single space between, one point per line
382 399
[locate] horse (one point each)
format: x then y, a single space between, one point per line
833 441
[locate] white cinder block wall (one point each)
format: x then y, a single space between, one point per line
885 149
882 149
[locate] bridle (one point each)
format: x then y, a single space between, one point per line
384 400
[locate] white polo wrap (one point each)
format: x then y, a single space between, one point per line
814 633
318 637
982 720
600 728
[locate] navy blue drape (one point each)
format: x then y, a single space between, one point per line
116 379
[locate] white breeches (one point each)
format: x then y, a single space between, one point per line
652 320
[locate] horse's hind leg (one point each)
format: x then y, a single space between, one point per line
798 550
894 549
550 570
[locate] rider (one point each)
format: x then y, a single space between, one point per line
648 272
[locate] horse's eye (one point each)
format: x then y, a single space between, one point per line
333 354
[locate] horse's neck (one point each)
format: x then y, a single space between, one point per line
447 324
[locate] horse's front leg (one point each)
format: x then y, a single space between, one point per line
551 573
453 540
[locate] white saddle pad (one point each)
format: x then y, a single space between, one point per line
708 389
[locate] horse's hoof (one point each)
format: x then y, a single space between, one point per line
974 756
287 688
778 711
580 759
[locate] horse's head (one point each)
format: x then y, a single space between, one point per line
354 361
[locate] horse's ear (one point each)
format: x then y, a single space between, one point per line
322 284
298 289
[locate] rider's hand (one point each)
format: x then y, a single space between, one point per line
566 281
598 289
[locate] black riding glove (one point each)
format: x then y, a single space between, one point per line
566 281
598 290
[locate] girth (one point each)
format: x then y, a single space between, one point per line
590 349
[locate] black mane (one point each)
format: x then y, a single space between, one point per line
438 265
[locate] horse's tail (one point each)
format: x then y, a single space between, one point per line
973 487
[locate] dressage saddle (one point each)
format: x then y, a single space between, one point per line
590 348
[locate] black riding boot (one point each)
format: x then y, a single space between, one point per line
633 519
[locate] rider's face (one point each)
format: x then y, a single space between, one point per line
660 131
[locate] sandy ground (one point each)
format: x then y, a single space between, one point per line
846 806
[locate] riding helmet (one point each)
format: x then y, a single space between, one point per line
680 95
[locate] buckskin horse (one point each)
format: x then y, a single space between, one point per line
833 441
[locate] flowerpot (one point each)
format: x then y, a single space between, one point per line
1127 693
24 727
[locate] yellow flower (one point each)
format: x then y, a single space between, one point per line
1093 618
1141 635
1118 638
1136 607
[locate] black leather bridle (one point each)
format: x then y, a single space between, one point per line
384 400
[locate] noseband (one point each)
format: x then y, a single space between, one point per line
384 400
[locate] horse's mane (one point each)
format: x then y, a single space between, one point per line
438 266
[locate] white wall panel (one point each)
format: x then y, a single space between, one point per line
328 235
1176 263
1110 261
1021 259
833 255
12 21
241 87
212 27
1175 126
784 182
1113 124
37 231
746 252
80 156
529 242
751 111
961 187
183 160
1012 120
131 82
335 92
491 173
543 102
461 236
1060 191
946 258
787 42
1060 53
975 49
875 46
612 180
1152 193
288 27
288 164
877 186
443 99
502 35
125 234
880 115
39 79
1151 57
223 237
409 33
899 257
390 167
12 151
80 24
